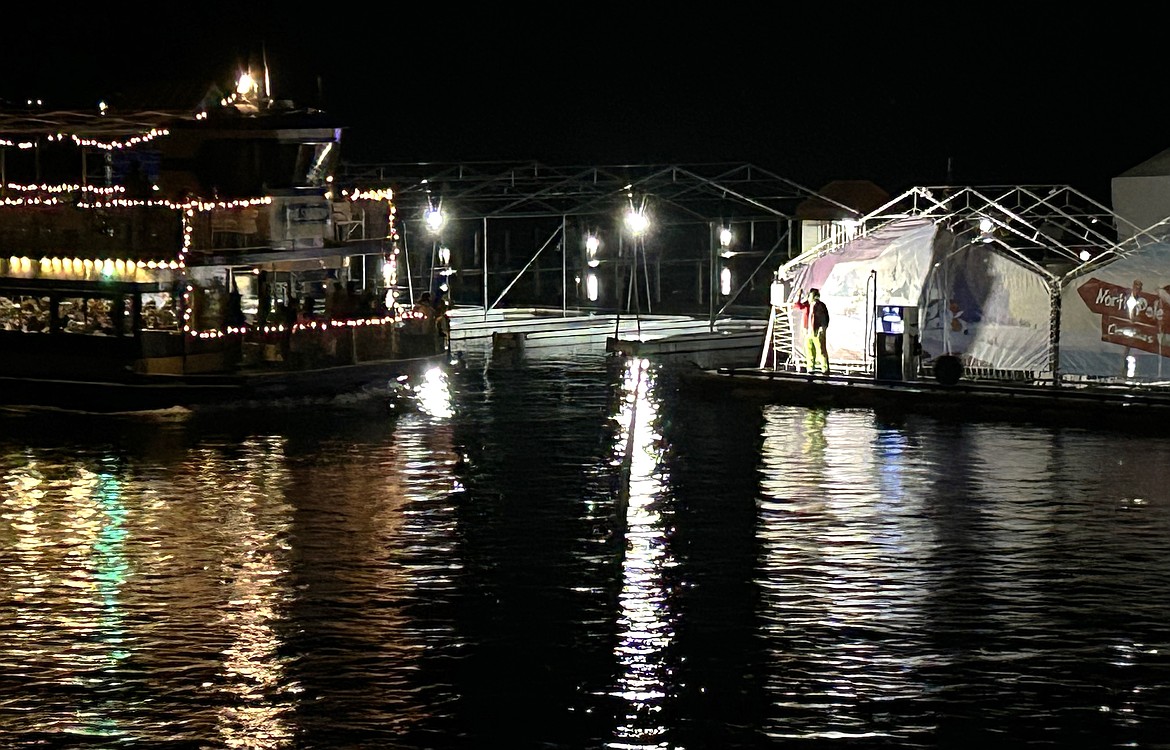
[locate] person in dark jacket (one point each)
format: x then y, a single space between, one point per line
816 328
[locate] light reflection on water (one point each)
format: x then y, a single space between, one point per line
644 619
554 553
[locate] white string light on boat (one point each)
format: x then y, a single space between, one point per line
115 269
309 325
130 142
188 209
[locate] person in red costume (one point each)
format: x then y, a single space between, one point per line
816 327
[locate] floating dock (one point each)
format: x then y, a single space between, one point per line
1127 407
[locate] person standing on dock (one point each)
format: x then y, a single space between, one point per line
816 329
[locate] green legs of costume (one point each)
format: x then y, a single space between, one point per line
816 351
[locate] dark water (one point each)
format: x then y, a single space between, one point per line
563 554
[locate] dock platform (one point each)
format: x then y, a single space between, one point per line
1114 406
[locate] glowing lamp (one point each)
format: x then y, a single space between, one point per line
637 221
435 219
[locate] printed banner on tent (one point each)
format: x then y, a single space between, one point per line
1130 316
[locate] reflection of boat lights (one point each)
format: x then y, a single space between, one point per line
255 576
434 393
111 564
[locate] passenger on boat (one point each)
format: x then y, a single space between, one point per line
422 317
442 320
424 308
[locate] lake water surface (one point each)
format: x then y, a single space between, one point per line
560 552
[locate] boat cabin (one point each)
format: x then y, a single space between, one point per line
175 242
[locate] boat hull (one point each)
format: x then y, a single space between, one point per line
150 392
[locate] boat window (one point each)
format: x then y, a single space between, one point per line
248 285
90 315
126 319
22 312
159 312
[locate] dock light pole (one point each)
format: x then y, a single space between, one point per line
592 246
720 275
637 222
725 253
435 219
445 269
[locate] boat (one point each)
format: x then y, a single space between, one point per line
725 343
155 258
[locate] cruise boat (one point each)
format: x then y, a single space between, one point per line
160 258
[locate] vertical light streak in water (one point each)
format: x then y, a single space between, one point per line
28 576
415 536
110 564
434 394
84 603
840 577
645 628
256 517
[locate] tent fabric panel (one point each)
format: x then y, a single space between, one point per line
886 267
988 310
972 301
1106 318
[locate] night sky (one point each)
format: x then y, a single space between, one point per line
934 95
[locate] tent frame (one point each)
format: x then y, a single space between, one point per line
557 206
1054 230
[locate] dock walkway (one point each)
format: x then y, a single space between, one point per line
1127 407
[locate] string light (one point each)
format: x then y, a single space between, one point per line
147 270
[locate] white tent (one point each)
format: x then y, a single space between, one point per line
969 300
1112 321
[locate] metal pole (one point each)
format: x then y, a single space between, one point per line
617 292
564 269
713 276
485 270
406 259
646 280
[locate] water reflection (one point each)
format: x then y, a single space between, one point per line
434 393
838 573
255 572
568 556
65 577
645 628
186 587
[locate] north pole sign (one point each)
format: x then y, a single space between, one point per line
1129 316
